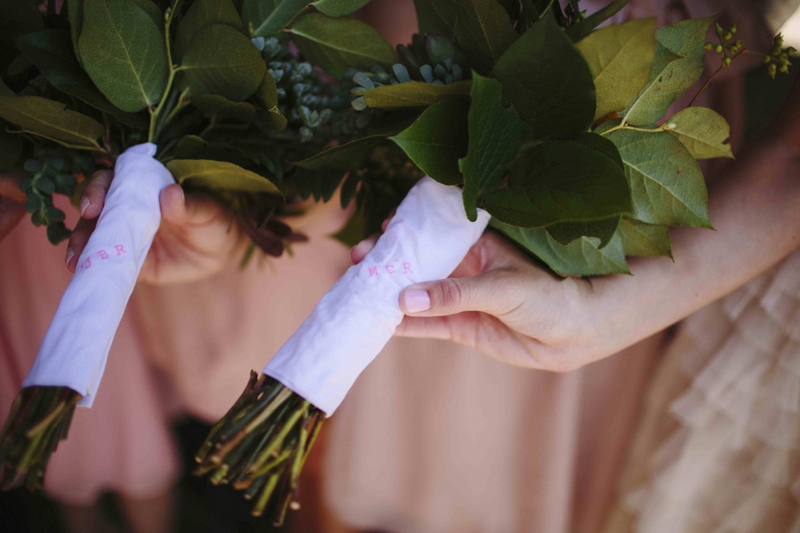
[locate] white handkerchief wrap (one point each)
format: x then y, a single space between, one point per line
425 241
75 348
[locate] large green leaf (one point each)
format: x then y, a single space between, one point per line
347 156
337 44
219 175
51 51
580 258
266 17
413 94
548 81
598 143
223 109
75 14
566 232
644 240
560 181
483 32
267 93
621 60
50 119
667 185
678 64
436 17
123 51
222 61
436 140
584 27
10 149
4 90
703 131
495 137
338 8
202 13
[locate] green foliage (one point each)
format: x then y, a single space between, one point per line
337 44
51 120
436 16
483 32
75 13
548 82
584 27
222 61
678 64
437 139
666 182
582 257
223 109
640 239
348 156
621 59
413 94
703 131
123 51
338 8
200 14
566 232
219 175
268 17
495 137
47 177
10 149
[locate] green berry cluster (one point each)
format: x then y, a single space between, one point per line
726 44
47 177
778 57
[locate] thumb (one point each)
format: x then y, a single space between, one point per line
487 292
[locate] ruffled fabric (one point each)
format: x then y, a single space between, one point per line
730 462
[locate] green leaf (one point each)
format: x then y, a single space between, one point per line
337 44
4 90
548 81
436 17
219 175
273 118
347 156
10 149
338 8
75 14
267 93
495 137
267 17
413 94
189 146
153 11
667 185
621 60
584 27
436 140
483 32
644 240
123 51
200 14
566 232
598 143
702 131
222 61
51 51
581 258
223 108
50 119
560 181
678 64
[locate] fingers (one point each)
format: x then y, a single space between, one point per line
385 223
77 241
494 292
94 195
194 210
360 250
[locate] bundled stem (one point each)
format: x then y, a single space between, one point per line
39 419
261 445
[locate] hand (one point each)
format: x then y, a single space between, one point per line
196 238
12 202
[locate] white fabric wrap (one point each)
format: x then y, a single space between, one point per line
425 241
75 348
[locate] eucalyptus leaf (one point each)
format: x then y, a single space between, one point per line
223 109
548 81
483 32
667 185
267 93
10 149
219 175
678 64
436 17
703 131
123 51
339 8
200 14
338 44
413 94
51 51
267 17
51 120
566 232
272 118
495 137
75 14
189 146
580 258
222 61
621 60
436 140
644 240
584 27
153 11
347 156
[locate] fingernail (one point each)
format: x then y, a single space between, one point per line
85 203
70 255
364 247
416 300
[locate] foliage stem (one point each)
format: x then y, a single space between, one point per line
708 82
93 148
172 70
626 127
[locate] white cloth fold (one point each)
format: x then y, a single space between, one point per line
75 348
425 241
